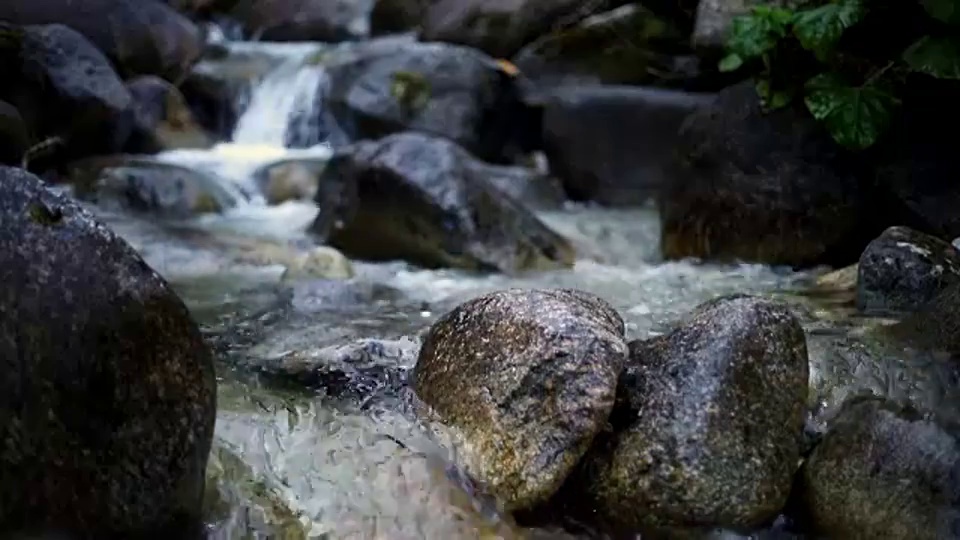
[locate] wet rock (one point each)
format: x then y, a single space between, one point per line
883 472
290 179
904 270
594 52
102 361
162 118
444 90
529 378
633 132
714 19
355 370
64 87
394 16
425 200
320 262
14 135
146 185
304 20
501 28
142 37
770 188
708 422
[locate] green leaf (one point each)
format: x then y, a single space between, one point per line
947 11
730 62
936 56
772 98
854 116
819 29
756 33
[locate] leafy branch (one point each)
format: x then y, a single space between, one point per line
800 54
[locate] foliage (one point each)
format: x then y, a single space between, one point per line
847 60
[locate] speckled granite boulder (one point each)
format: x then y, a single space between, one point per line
529 378
903 270
107 391
883 473
708 422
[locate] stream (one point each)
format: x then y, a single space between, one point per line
296 462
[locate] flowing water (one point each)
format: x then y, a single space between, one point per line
291 458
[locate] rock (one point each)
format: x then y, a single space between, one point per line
109 394
633 132
708 422
714 19
146 185
304 20
904 270
769 188
142 37
594 52
529 378
883 472
394 16
444 90
916 165
163 119
290 179
64 87
425 200
320 262
14 135
501 27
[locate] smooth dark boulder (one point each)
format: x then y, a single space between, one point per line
64 87
141 37
435 88
764 187
631 132
303 20
708 422
425 200
529 378
107 392
146 185
883 472
903 270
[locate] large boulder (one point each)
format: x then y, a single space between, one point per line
903 270
764 187
64 87
632 133
883 472
708 422
501 27
304 20
142 37
444 90
108 394
425 200
529 378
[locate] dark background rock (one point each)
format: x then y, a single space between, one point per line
108 392
162 118
903 271
64 87
302 20
14 134
394 16
425 200
444 90
529 377
141 37
614 144
769 188
707 424
883 472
